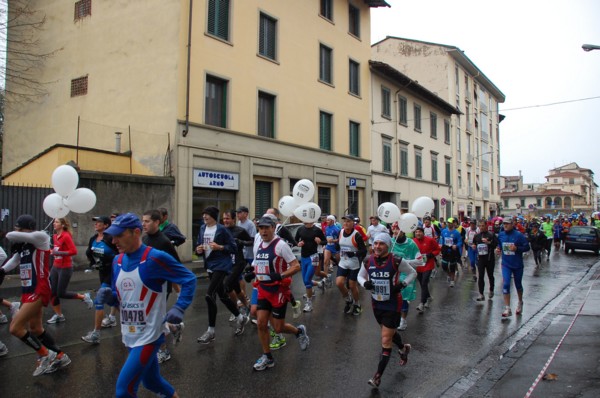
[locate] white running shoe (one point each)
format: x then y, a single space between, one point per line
403 324
92 337
88 301
14 308
420 308
177 333
56 319
232 318
296 308
308 307
109 322
3 319
303 339
43 363
59 363
163 356
3 349
206 338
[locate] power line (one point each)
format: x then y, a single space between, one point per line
549 104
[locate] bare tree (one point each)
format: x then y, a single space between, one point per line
22 59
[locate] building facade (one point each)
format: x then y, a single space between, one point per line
449 73
410 141
237 100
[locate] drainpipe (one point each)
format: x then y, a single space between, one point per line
187 86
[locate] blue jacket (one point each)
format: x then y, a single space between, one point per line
219 260
455 236
512 259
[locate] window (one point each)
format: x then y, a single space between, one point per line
354 20
506 203
215 106
538 202
354 139
418 163
79 86
433 124
402 111
324 199
263 199
385 102
459 176
417 109
353 201
447 131
327 10
404 159
266 115
354 83
325 64
571 181
218 18
83 8
267 36
404 206
434 167
456 79
448 171
458 142
387 155
325 125
522 202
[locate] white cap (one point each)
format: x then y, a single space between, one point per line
331 217
383 237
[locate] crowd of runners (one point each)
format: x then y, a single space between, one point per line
139 268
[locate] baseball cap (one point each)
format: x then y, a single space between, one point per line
123 222
383 237
451 220
331 217
507 220
104 219
426 218
25 221
266 221
243 209
349 217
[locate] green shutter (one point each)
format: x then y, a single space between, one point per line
218 18
263 197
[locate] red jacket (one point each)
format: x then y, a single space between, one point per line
426 246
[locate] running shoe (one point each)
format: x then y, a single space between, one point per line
356 309
207 338
491 294
92 337
296 308
163 355
308 307
263 363
428 303
321 285
507 312
109 321
43 363
177 332
348 307
14 308
272 332
241 324
3 319
481 297
60 362
303 339
232 318
88 301
404 354
451 283
420 308
329 281
519 310
3 349
277 342
375 380
403 324
56 319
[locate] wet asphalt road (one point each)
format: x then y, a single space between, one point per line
447 342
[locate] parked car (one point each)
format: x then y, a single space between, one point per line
583 238
293 228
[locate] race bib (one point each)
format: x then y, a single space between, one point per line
448 241
133 316
314 259
506 249
482 249
26 274
381 289
261 268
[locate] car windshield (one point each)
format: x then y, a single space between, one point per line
581 231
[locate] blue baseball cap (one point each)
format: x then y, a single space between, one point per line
123 222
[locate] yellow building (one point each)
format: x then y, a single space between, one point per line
235 99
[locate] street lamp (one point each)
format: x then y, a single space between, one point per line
590 47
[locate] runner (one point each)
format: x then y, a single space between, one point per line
309 238
139 281
100 253
451 245
485 243
32 254
429 249
170 230
352 252
232 283
380 274
332 232
274 266
472 251
404 247
537 242
373 230
62 269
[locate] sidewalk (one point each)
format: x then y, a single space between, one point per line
81 280
576 362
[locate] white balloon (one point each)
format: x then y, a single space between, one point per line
64 180
287 205
54 206
304 190
81 200
308 212
422 206
388 212
408 222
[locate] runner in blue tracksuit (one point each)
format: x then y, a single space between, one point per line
452 243
512 244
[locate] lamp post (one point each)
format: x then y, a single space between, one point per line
590 47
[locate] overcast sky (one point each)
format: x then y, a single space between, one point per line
531 50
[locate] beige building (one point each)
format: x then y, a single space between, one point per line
410 141
235 99
449 73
